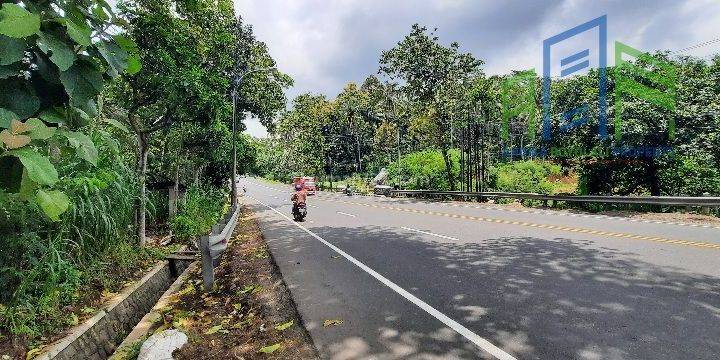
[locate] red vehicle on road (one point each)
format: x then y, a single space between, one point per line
308 183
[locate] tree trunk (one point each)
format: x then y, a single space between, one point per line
653 179
174 193
448 167
142 168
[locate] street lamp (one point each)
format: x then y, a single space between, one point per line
237 81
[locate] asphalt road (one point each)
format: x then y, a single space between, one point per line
413 279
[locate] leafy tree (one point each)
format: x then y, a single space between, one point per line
351 129
300 130
55 59
434 77
425 169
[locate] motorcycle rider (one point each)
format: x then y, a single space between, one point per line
300 196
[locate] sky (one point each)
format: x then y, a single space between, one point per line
324 45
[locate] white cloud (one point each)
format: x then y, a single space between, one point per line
325 44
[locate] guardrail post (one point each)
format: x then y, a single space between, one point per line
706 209
208 272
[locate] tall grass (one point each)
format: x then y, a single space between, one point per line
46 267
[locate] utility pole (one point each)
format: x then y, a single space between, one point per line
237 81
233 201
398 156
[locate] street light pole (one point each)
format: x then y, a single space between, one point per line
237 81
233 202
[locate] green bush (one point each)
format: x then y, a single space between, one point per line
425 170
526 176
198 211
46 282
690 176
183 227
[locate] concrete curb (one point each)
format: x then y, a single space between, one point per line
97 337
146 323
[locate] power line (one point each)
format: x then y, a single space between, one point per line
696 46
692 47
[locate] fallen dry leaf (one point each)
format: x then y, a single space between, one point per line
332 322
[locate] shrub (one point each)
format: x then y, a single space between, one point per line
184 228
201 207
690 176
425 170
526 176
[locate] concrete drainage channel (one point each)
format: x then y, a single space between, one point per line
126 318
98 337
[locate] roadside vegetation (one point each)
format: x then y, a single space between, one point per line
434 120
116 139
105 111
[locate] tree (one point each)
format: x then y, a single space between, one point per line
187 58
300 131
55 59
351 128
434 77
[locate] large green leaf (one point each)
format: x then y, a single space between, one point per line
134 65
117 124
110 141
17 22
115 55
78 31
11 50
60 53
38 167
53 203
84 146
127 44
133 60
39 130
54 115
27 186
99 12
82 82
6 116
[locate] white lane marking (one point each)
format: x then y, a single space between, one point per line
346 214
459 328
431 234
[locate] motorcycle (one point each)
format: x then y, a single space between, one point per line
300 211
348 191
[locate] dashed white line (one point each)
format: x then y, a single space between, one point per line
346 214
481 342
431 234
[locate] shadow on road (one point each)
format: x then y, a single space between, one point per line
535 298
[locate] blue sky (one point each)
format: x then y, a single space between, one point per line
325 44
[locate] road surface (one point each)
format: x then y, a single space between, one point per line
414 279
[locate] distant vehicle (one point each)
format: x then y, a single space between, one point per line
308 183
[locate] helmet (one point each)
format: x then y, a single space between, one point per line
298 187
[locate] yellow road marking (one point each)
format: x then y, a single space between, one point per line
543 226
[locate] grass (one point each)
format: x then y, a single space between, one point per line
57 294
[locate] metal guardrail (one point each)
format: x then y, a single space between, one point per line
704 201
213 245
